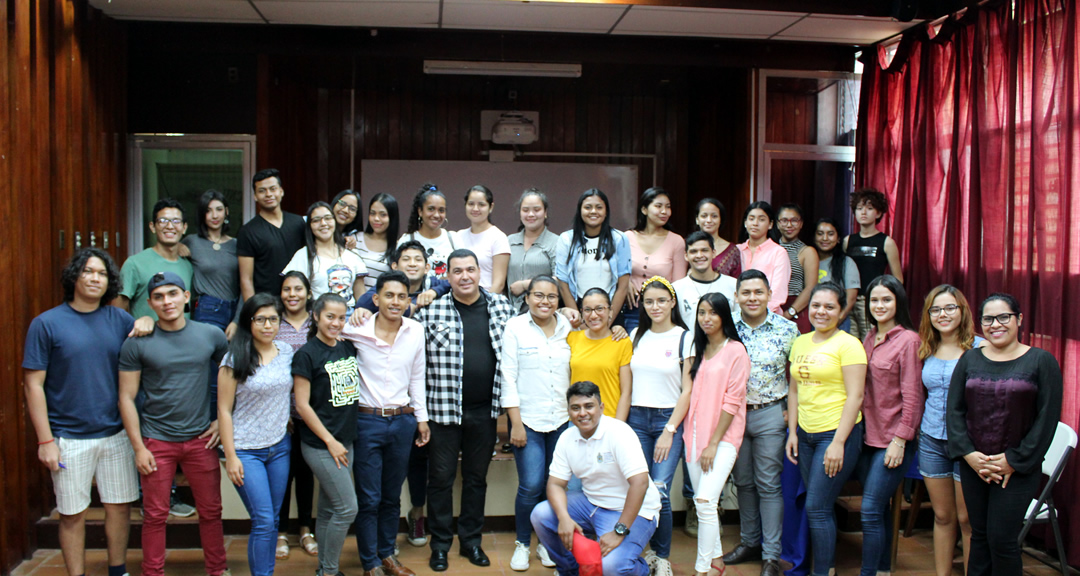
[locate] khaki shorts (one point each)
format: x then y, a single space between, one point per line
111 460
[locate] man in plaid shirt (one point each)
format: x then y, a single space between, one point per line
463 333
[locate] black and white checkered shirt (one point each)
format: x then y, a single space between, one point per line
443 336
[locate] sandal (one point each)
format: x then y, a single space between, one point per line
282 552
719 569
308 543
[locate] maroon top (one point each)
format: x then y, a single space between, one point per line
894 399
729 261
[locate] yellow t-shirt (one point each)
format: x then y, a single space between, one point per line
817 371
598 361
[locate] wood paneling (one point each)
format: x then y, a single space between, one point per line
62 114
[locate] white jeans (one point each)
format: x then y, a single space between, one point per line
707 487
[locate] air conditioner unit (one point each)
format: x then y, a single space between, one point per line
514 128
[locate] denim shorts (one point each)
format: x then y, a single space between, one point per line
934 461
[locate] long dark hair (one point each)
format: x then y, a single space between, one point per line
903 309
645 321
765 207
319 306
392 212
719 304
309 236
606 238
245 357
719 207
426 191
204 207
356 224
488 197
839 259
647 198
74 268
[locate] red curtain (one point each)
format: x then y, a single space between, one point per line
971 131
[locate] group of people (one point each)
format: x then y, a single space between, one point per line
328 347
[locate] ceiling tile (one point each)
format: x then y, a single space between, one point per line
390 13
654 20
844 29
185 10
530 16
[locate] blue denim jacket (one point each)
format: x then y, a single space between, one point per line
936 377
567 272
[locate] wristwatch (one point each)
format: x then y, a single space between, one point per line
792 312
621 529
670 428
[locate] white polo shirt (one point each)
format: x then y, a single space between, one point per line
603 463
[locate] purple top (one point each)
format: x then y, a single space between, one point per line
1009 407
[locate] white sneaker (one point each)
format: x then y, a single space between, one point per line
519 562
545 558
650 558
661 567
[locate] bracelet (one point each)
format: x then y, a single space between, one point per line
46 442
893 441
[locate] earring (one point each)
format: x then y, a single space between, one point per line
226 221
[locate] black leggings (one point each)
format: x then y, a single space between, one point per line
997 516
305 488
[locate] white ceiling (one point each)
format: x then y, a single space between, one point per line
519 16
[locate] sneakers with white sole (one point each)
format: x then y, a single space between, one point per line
545 558
519 562
661 567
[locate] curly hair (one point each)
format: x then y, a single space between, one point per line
870 196
415 220
74 268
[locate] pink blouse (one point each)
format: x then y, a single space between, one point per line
720 384
895 397
773 260
667 261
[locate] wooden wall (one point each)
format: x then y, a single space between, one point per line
62 141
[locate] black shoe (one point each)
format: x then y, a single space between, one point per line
770 568
476 555
438 561
743 553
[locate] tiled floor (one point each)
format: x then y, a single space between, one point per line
915 558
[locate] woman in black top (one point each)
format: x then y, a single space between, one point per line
1003 410
326 380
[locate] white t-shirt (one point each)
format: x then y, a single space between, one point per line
486 245
335 275
689 291
438 249
603 463
375 261
655 366
592 273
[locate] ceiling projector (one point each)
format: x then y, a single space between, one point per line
513 128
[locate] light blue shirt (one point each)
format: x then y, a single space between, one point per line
567 256
936 376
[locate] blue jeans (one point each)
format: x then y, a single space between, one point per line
649 423
380 463
266 474
879 486
216 312
822 491
631 316
532 461
625 560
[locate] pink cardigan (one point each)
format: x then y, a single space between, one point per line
720 384
667 261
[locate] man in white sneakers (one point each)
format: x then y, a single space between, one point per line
618 501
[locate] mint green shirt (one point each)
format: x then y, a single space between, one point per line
136 274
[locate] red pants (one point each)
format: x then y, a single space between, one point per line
203 473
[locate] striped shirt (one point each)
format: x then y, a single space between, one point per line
795 285
538 260
375 261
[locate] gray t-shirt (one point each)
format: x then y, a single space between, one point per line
851 273
217 272
175 370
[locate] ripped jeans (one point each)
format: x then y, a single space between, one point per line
649 424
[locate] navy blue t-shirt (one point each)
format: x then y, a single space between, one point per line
80 353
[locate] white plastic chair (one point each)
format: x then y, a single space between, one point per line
1042 509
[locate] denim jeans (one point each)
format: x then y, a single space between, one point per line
380 463
625 560
757 477
337 505
266 474
822 491
649 424
631 316
533 461
299 475
879 486
216 312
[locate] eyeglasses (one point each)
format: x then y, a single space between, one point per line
318 219
545 297
649 302
949 310
352 209
1002 319
167 221
264 320
786 221
597 310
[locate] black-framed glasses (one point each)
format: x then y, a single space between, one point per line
352 209
598 310
264 320
318 219
948 309
1002 319
540 296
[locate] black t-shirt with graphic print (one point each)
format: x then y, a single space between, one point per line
335 388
